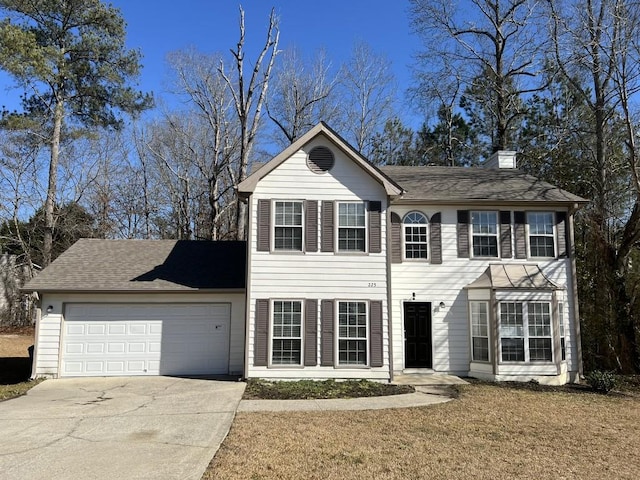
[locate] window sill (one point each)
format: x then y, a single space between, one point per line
287 252
535 362
351 254
286 366
352 367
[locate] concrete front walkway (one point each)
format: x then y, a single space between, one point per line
116 428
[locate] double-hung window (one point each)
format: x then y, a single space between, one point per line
415 236
484 230
541 238
539 320
288 226
286 347
512 332
525 332
480 331
352 227
352 333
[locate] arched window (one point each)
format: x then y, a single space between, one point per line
415 235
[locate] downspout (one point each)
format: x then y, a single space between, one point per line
389 289
34 360
247 300
574 288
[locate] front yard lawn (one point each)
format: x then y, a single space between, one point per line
490 431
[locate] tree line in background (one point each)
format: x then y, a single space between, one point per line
556 80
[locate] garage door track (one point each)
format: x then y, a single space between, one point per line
116 428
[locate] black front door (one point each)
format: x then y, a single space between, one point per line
417 335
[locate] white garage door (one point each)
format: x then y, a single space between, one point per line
145 339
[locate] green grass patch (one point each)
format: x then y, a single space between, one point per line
17 389
313 389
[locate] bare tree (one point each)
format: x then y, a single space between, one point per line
216 135
493 40
368 93
302 95
249 95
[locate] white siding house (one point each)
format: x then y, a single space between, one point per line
349 271
442 230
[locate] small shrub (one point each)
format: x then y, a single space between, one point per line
600 381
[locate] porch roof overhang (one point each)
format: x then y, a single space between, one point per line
513 277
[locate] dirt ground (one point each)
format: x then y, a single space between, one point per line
15 366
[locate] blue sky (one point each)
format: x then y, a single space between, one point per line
157 27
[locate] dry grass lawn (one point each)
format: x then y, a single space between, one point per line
490 432
15 346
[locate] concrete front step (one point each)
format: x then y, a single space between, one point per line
428 379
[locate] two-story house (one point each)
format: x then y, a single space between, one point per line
349 271
360 272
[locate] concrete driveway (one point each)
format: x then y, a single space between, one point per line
116 428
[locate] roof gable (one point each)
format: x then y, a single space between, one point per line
246 187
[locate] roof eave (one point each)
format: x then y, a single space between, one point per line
485 201
73 290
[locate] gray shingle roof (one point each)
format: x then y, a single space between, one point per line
94 265
462 185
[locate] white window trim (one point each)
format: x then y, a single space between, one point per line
552 235
496 235
365 228
525 336
404 237
563 331
271 336
472 336
338 337
274 225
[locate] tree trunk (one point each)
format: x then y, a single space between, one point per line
52 186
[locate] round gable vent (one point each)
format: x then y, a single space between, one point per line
320 160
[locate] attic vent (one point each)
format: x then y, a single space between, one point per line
320 160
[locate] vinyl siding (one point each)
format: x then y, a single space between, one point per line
445 283
317 275
50 325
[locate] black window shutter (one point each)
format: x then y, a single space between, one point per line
519 220
505 234
327 232
435 238
561 230
375 333
326 341
310 333
396 238
375 227
264 225
463 233
261 339
311 226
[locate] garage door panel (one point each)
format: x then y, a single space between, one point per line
167 339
